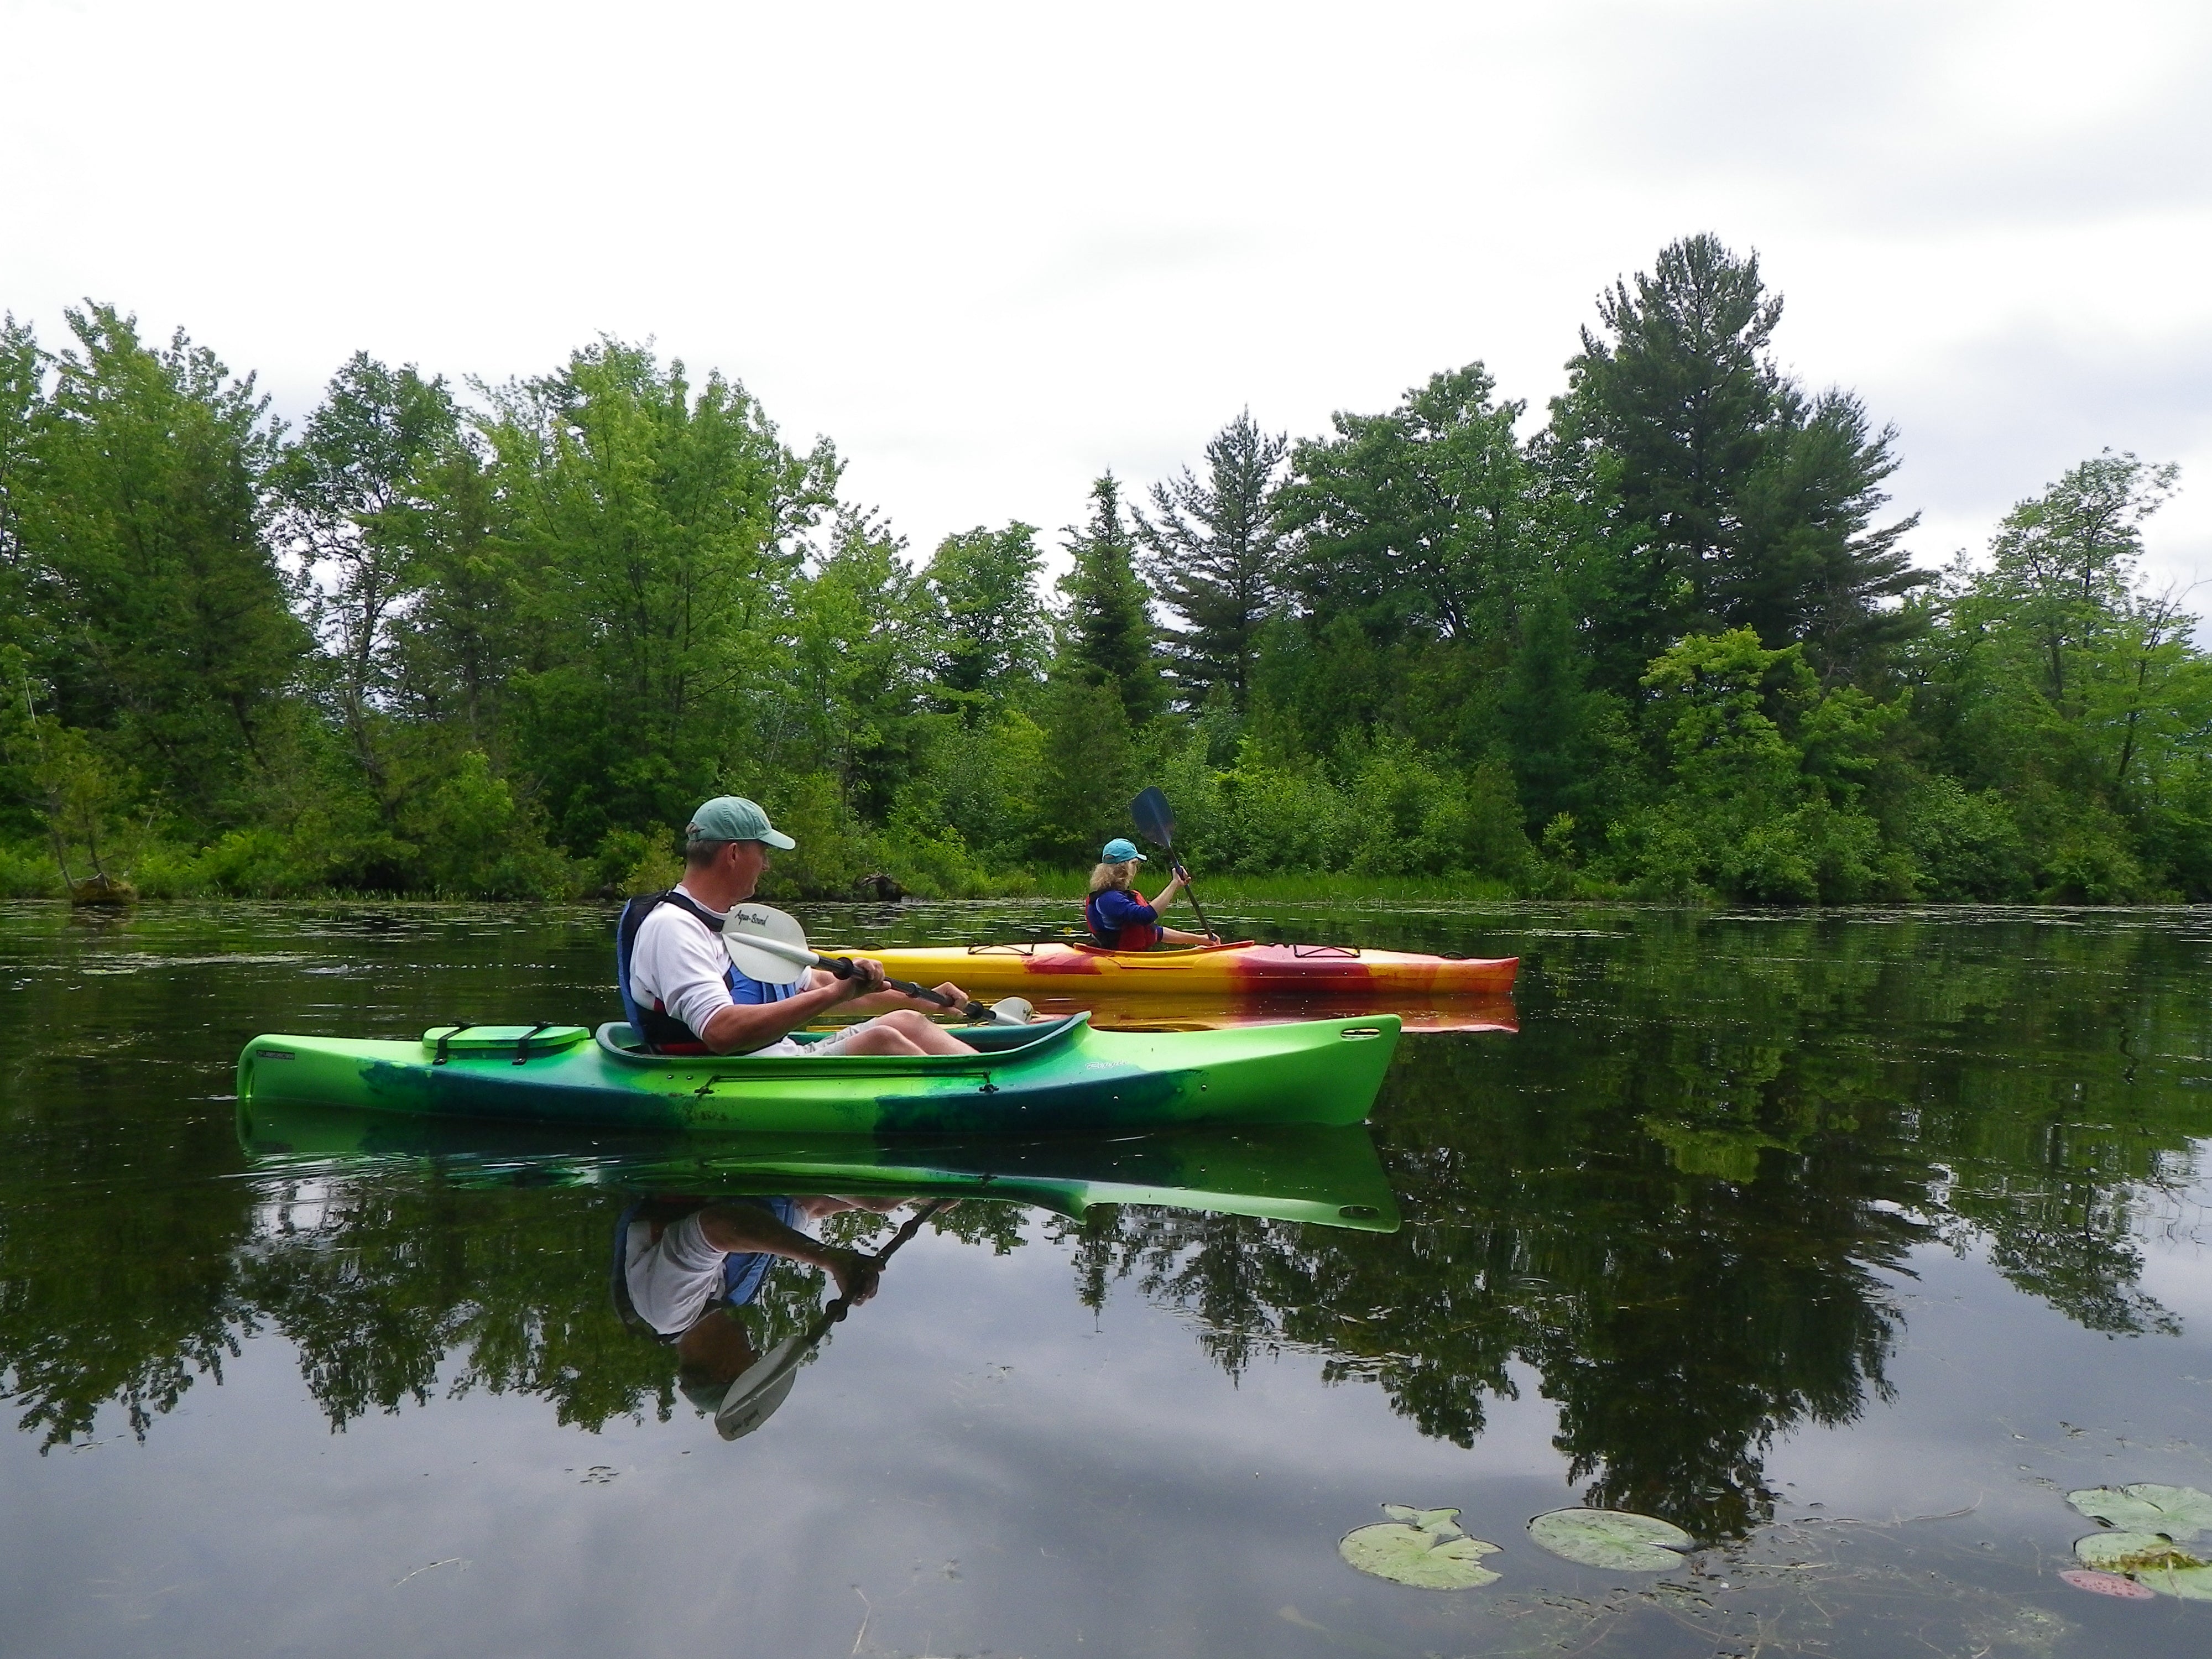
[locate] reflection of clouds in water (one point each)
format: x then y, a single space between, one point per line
2173 1221
290 1208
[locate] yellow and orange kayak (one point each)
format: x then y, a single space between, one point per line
1052 968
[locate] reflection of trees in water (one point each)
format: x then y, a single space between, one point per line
391 1289
1678 1325
122 1301
1675 1196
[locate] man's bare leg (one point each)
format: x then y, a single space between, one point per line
904 1032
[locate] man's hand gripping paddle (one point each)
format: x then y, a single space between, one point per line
1156 824
762 1385
767 945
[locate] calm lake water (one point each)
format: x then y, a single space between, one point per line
1850 1243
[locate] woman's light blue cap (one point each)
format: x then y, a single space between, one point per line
733 818
1119 851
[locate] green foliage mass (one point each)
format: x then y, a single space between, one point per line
1671 645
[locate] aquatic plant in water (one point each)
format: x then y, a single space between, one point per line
1424 1548
2152 1523
2107 1583
1614 1539
2176 1511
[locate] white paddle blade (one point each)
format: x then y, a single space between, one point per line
1013 1010
762 1387
766 944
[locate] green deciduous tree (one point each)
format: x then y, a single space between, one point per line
1748 812
2081 697
994 639
865 646
659 529
1089 770
1415 521
164 628
358 508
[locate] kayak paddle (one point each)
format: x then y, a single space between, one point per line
762 1385
766 944
1156 824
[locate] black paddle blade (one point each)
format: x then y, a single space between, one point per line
1155 819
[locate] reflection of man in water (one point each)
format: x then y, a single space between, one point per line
686 1271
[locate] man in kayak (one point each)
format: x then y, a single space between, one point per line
1116 913
683 996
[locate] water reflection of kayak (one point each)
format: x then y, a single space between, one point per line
1131 1010
1299 1172
1048 968
1062 1076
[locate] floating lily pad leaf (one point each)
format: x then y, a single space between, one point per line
2149 1559
2180 1512
1421 1548
1611 1539
1444 1520
2107 1583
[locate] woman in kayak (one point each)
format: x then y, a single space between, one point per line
1116 913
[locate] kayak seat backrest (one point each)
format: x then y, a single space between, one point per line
634 912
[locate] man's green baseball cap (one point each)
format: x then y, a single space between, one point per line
733 818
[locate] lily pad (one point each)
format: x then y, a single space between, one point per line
1612 1539
2179 1512
2107 1583
1424 1548
2149 1559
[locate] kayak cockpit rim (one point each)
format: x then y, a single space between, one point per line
618 1040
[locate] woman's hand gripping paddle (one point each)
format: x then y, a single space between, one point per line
767 945
762 1385
1156 824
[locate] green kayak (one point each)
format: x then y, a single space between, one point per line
1044 1079
1324 1175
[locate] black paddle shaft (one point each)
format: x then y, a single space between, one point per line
1155 823
975 1012
837 1309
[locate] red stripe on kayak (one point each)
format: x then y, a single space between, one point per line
1060 965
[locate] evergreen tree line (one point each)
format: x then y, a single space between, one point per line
1667 645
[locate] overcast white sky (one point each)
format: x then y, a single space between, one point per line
993 249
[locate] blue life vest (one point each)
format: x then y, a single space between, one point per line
1135 936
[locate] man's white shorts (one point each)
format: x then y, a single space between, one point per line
833 1044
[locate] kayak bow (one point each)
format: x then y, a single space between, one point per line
1043 1079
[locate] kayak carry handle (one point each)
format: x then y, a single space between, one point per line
446 1038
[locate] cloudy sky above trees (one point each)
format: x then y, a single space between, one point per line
992 249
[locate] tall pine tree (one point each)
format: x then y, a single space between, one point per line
1107 634
1216 553
1756 502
